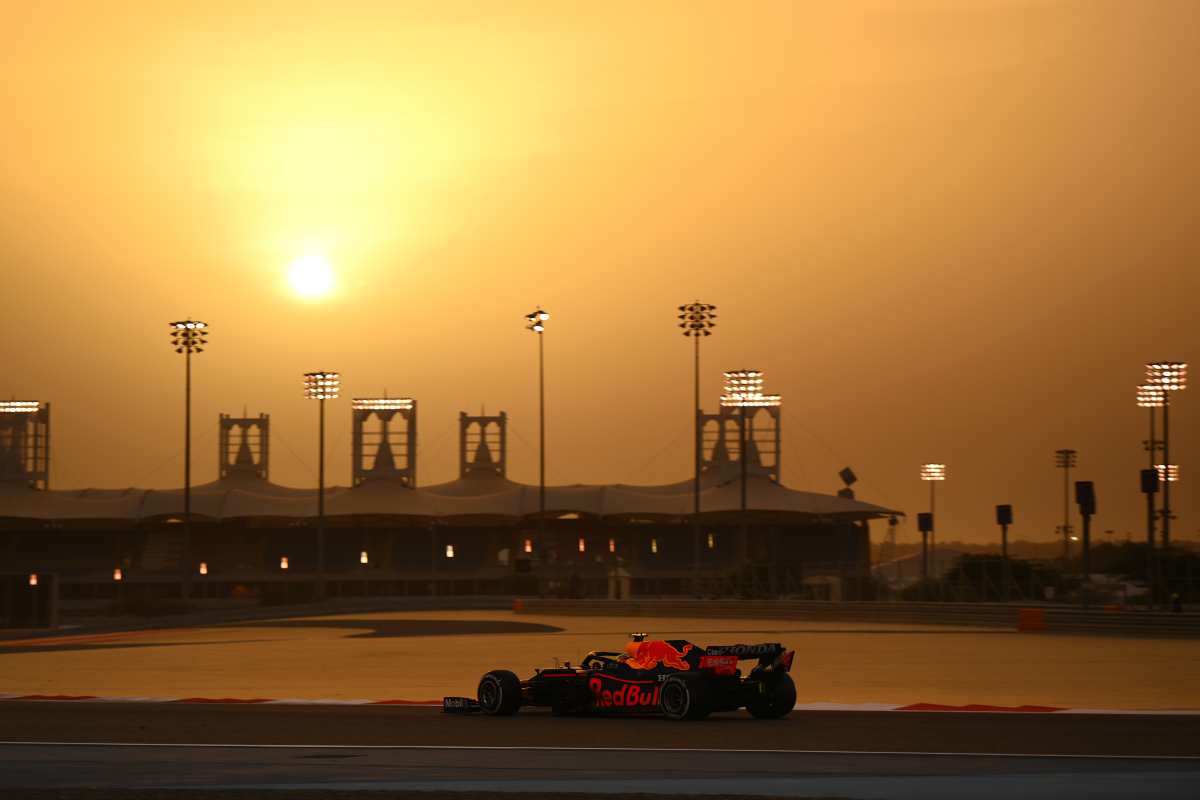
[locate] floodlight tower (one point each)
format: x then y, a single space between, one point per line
25 443
386 452
933 473
321 386
536 321
1065 460
188 336
1169 376
743 390
696 319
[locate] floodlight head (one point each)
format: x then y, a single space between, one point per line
1150 395
1171 376
933 472
383 403
537 320
322 385
1167 473
743 389
19 406
188 335
697 319
1065 459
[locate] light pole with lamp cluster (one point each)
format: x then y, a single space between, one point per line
1169 376
933 473
696 319
1167 474
1150 396
536 321
188 336
1065 460
320 386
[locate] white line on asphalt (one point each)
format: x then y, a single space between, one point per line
557 748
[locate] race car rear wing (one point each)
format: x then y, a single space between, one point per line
771 655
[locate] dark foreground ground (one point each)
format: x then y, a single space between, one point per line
97 751
909 732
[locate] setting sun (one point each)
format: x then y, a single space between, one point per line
311 277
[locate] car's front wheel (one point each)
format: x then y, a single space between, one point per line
685 697
499 693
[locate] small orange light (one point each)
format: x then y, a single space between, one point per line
283 562
449 551
363 558
33 579
582 545
529 545
612 545
203 567
118 575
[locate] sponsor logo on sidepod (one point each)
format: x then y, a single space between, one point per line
629 695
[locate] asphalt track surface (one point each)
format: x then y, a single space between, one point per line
845 754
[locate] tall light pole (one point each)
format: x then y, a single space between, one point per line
1150 396
1166 475
536 321
1169 376
321 386
696 319
933 473
188 336
1065 460
1004 518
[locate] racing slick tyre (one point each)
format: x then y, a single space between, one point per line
773 697
499 693
685 697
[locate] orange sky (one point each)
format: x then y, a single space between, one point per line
947 231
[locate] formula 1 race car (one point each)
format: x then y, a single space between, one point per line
674 678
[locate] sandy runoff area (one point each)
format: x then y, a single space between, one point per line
425 655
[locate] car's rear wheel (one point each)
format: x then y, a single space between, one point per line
499 693
773 696
685 697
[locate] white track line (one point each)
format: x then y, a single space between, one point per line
558 748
